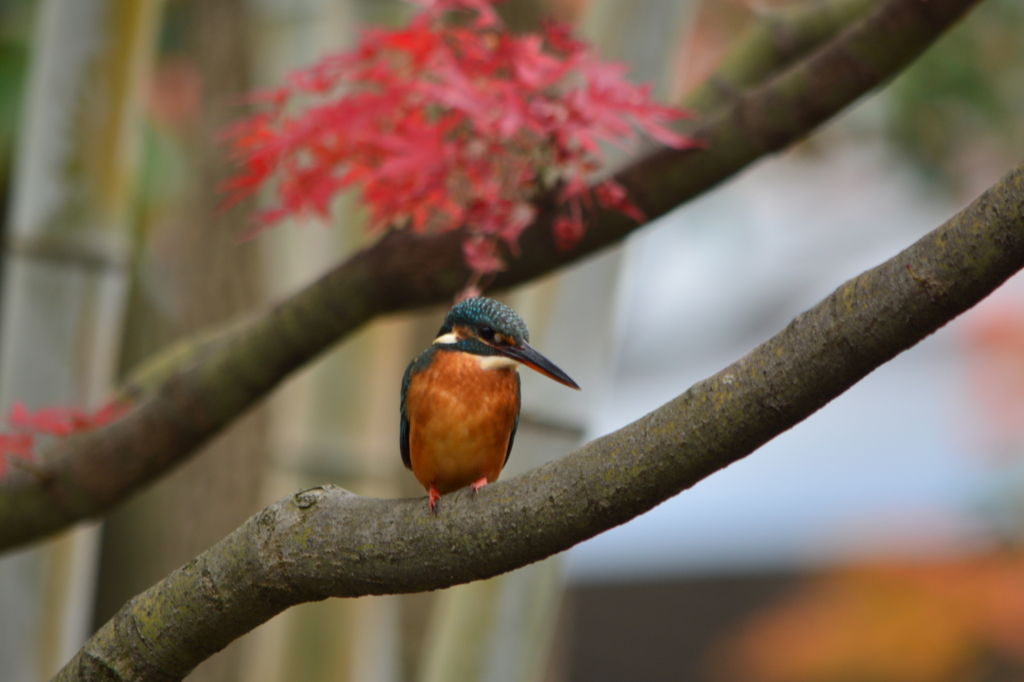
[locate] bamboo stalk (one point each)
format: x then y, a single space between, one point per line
65 272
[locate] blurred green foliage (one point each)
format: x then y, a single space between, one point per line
15 33
962 103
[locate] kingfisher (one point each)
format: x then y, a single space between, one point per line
461 397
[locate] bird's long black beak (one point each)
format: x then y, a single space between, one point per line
528 355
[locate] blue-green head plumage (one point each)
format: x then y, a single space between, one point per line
488 322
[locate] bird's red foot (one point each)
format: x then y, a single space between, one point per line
435 495
479 484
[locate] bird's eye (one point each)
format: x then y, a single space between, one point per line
486 333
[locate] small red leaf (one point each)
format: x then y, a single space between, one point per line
568 232
63 421
481 254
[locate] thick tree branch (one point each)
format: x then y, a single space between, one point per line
176 414
326 542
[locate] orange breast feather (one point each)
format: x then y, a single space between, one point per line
460 419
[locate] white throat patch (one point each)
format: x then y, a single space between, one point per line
497 362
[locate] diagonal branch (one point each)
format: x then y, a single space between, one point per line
326 542
184 407
778 38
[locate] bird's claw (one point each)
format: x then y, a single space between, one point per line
434 495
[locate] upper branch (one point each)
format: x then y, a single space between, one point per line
778 38
327 542
181 409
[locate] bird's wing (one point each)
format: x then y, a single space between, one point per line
403 433
515 426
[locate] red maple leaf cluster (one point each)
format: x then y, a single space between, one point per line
451 121
27 426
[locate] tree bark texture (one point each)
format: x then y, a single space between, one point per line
191 396
327 542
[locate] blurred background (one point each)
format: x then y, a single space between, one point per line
879 540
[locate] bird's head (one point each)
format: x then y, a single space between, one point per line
485 327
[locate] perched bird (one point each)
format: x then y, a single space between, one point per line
460 397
